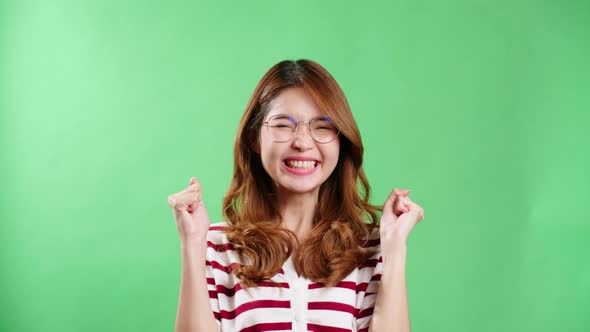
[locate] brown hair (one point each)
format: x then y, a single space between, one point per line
343 220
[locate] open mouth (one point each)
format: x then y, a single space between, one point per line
301 164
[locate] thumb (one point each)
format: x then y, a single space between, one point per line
193 180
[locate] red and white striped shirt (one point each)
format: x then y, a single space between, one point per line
295 303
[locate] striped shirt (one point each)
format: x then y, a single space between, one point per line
295 303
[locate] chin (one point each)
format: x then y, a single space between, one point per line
300 189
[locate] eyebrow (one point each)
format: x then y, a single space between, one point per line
285 115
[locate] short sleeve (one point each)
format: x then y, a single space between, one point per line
364 312
211 283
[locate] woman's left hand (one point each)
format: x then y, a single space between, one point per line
400 215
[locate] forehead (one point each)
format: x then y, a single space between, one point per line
295 102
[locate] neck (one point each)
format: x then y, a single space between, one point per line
297 211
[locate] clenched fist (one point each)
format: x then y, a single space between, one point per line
190 215
400 215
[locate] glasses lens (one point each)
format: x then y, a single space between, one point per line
323 130
282 127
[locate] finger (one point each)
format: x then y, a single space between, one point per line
414 208
193 184
178 201
407 202
185 199
192 180
197 190
419 214
194 189
401 205
197 205
402 192
185 202
171 201
398 206
388 206
195 194
406 192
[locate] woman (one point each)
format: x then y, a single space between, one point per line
301 248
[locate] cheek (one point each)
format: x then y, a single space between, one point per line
265 156
332 154
264 147
268 155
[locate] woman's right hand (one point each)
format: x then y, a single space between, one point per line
190 215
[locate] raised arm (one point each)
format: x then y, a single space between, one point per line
400 215
391 307
194 313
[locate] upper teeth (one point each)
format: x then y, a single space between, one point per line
301 164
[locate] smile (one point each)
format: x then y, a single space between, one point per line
300 167
299 164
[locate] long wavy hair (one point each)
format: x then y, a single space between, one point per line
344 219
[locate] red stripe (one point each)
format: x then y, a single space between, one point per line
343 284
364 313
323 328
231 291
362 287
254 305
364 329
268 327
211 281
372 243
371 263
212 294
216 228
228 269
335 306
223 247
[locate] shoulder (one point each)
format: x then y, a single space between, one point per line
374 237
219 248
373 243
216 233
374 233
218 226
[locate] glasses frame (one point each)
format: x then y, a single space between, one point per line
265 123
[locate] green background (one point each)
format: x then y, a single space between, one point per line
480 107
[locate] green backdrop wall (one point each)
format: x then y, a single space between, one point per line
480 107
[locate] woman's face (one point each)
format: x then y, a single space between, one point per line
301 164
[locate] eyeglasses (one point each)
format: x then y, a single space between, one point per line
282 128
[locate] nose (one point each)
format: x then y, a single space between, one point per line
302 140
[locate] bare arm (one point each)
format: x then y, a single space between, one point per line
194 307
391 307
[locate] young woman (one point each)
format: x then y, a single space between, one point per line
301 248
